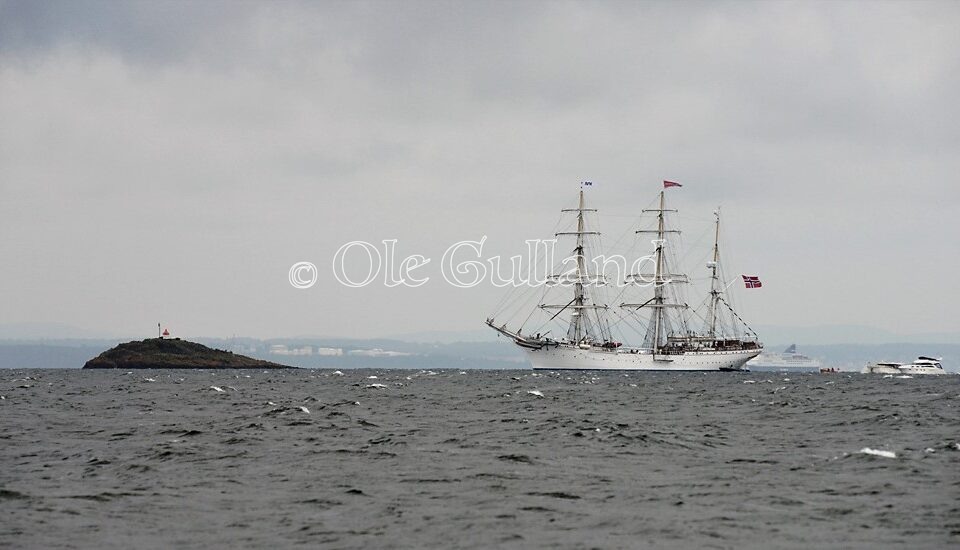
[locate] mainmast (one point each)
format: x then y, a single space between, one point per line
658 277
659 326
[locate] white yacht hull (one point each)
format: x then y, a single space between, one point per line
575 358
916 369
880 369
903 369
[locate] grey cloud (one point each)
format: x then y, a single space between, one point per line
253 135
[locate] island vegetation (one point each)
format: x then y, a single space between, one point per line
174 353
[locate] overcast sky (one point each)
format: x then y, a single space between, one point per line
169 161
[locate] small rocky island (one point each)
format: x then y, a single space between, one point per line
174 353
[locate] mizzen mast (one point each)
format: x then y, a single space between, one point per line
714 280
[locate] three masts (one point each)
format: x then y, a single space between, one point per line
669 341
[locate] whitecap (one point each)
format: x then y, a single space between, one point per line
537 393
749 381
371 378
878 452
376 385
338 373
904 376
888 376
304 409
216 388
149 380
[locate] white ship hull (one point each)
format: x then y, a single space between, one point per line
781 368
759 365
574 358
788 361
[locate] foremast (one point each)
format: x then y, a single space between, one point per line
576 331
580 329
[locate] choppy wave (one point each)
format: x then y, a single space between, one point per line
480 459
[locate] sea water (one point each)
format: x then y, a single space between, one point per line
476 459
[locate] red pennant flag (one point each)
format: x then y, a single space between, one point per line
751 281
670 184
166 332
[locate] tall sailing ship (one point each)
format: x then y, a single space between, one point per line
647 305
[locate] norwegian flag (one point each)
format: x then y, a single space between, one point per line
750 281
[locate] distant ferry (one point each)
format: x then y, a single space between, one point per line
788 361
923 365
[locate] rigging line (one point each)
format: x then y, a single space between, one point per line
619 295
623 318
532 311
622 321
514 309
645 303
540 257
562 309
511 295
740 319
541 298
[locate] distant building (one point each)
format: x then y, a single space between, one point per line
376 352
282 349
